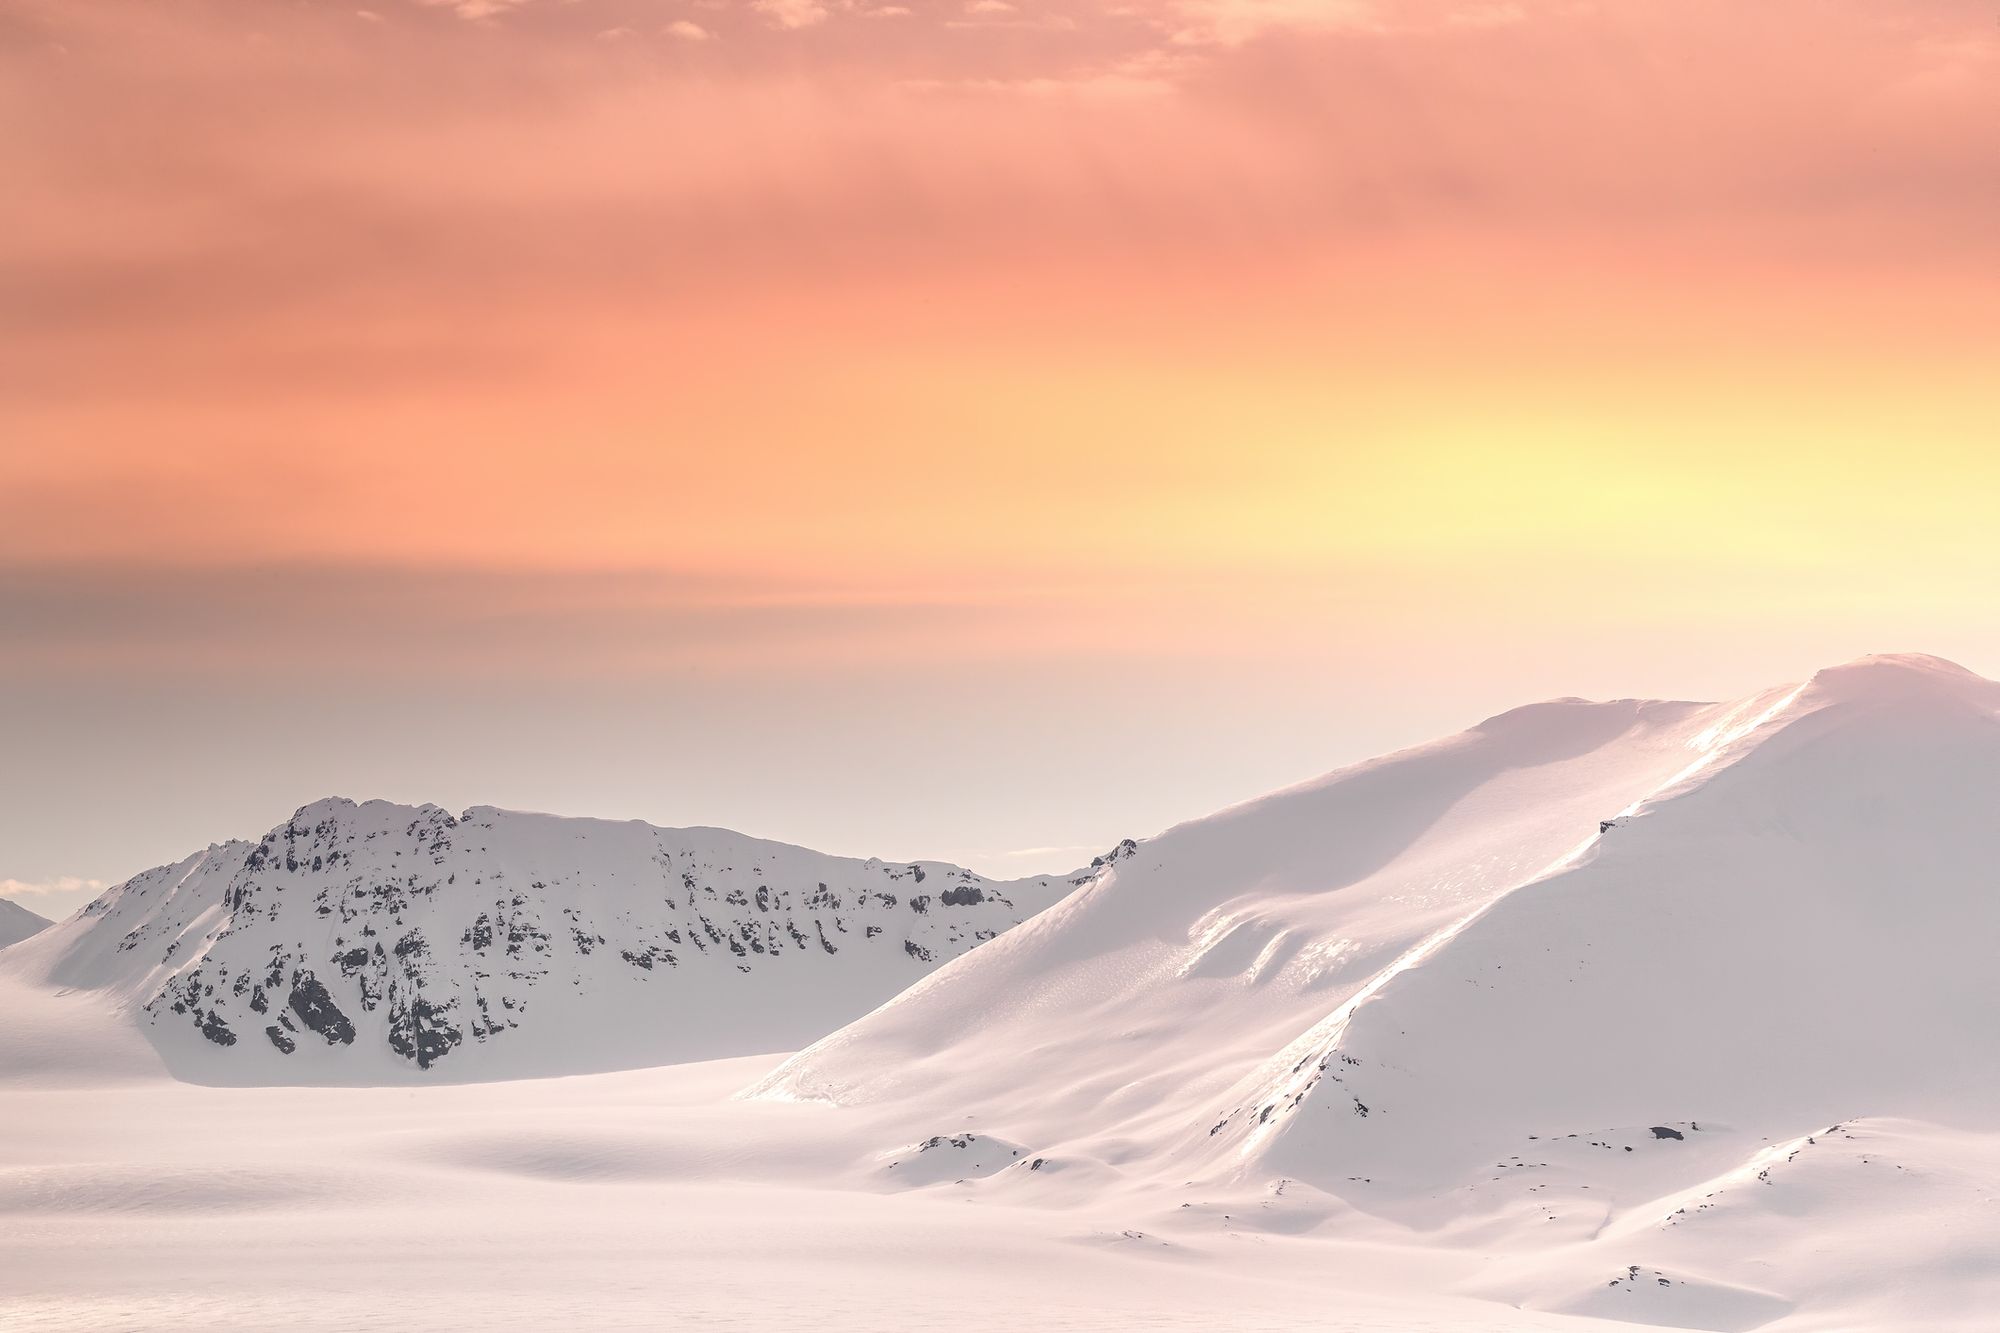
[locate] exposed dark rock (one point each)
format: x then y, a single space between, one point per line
417 1031
316 1009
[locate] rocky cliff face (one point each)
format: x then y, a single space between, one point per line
376 942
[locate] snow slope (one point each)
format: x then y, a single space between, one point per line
1519 989
380 942
1598 1015
17 922
635 1200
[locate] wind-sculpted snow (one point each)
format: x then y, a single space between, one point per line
1798 935
364 942
1517 986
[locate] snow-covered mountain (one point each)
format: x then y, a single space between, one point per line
375 942
17 922
1612 988
1596 1015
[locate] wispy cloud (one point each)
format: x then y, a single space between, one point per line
791 13
61 885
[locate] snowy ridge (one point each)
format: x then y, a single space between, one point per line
1762 888
17 923
368 942
1596 1015
1526 986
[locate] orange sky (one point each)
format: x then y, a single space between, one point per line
1248 384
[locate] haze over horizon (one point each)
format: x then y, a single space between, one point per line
972 431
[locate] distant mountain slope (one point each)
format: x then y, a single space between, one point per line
1565 976
379 942
17 923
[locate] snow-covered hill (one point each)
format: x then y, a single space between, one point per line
17 922
376 942
1598 1014
1558 987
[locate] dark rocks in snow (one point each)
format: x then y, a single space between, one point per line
431 975
316 1009
645 958
1125 848
1662 1132
417 1031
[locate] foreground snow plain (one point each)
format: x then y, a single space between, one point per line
1596 1015
637 1200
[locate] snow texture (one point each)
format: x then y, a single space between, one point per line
1595 1016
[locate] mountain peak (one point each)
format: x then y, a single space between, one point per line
17 923
1889 677
374 941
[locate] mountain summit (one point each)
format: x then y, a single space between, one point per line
378 942
1587 970
1672 1014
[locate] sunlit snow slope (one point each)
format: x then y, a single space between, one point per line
1614 988
378 942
